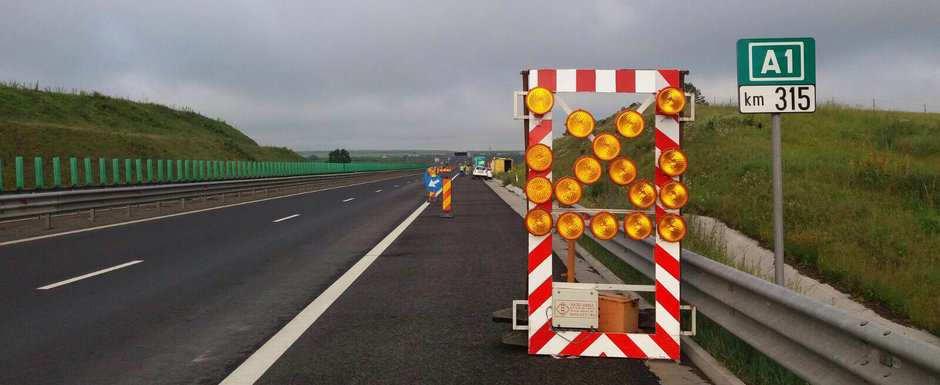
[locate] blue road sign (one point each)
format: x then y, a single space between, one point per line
432 183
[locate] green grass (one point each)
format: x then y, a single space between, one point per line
44 123
861 188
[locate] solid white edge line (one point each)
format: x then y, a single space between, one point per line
347 200
261 360
89 275
36 238
286 218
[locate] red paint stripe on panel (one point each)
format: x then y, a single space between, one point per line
660 212
540 295
540 131
580 343
547 79
671 76
539 253
665 299
666 261
584 80
666 343
659 177
662 140
533 174
626 345
540 337
626 80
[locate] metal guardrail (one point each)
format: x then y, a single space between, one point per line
818 342
21 205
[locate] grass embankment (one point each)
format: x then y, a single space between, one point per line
42 123
861 205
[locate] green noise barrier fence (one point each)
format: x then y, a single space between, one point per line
81 173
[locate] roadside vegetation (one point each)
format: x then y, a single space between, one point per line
48 123
861 207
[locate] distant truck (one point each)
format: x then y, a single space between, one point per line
501 164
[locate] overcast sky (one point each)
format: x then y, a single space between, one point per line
436 74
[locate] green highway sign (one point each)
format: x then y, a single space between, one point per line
790 60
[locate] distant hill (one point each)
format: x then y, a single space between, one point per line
36 122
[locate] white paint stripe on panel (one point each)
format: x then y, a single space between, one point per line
565 80
605 81
646 81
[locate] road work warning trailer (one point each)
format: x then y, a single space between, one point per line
562 318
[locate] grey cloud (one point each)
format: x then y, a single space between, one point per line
428 74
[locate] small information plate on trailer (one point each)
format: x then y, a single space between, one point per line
574 308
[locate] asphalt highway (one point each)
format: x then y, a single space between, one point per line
212 286
188 299
421 313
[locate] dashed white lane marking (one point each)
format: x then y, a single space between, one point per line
347 200
396 186
286 218
89 275
378 191
262 359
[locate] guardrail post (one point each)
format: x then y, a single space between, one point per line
37 163
102 172
115 172
160 170
20 179
138 169
127 171
149 170
73 171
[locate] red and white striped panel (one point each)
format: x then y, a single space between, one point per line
586 80
664 343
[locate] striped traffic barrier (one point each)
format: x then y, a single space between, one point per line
445 202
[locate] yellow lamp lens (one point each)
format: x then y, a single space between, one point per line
642 193
670 100
671 227
606 146
637 225
580 123
539 100
538 221
673 194
604 225
570 225
629 123
538 189
587 169
622 171
538 157
567 191
673 161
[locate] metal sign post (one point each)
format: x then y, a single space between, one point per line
777 76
